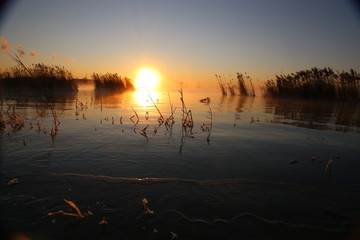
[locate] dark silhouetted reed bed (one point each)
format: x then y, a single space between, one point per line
112 82
231 87
242 88
221 85
37 77
316 83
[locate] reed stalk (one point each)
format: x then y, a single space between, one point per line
161 119
221 85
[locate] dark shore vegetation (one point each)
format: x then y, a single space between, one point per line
49 79
316 83
112 82
37 77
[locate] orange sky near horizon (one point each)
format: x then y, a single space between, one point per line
186 42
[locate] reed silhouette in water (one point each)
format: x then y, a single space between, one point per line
37 77
112 82
243 89
316 83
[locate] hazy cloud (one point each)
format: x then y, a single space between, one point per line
4 44
33 54
54 56
21 51
69 60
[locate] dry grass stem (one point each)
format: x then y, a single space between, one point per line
147 209
161 119
78 213
75 208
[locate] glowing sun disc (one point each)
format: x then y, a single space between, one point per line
147 78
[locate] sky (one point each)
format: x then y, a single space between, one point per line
186 41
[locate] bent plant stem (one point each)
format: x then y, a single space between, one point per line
146 207
161 118
73 206
78 213
143 132
17 59
137 117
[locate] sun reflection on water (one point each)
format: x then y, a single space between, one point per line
144 98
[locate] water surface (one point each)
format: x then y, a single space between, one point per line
262 169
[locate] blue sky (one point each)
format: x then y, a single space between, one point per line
185 40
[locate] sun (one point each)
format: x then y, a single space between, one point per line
147 78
